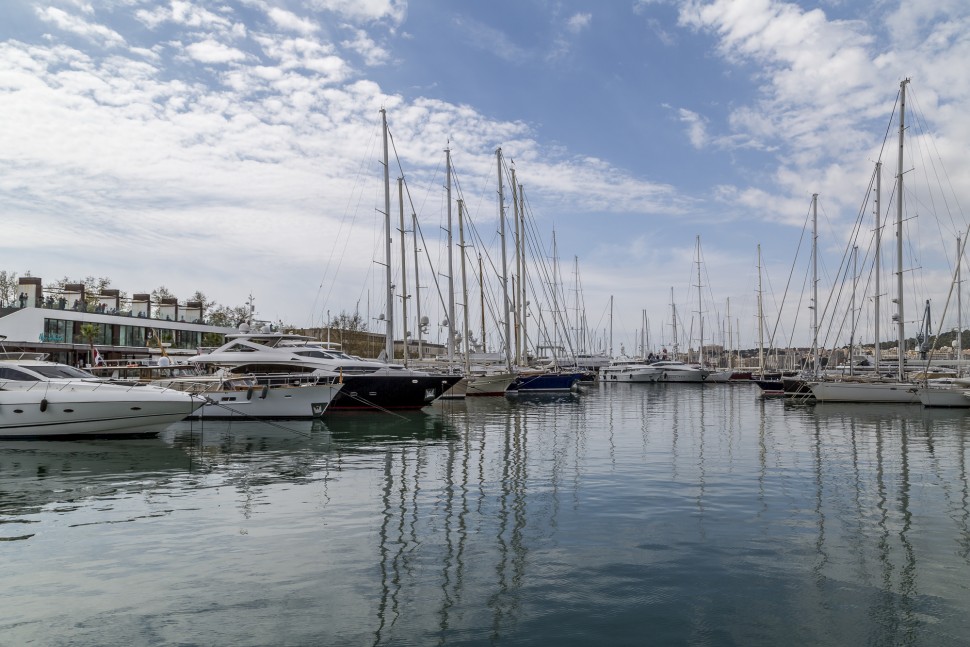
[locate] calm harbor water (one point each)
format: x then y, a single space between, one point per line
629 514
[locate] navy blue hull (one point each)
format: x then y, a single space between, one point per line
546 382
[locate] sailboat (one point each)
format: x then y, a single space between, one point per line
898 391
950 392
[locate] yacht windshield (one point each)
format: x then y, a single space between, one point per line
10 373
60 371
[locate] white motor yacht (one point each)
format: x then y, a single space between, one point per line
367 384
674 371
630 371
283 396
48 399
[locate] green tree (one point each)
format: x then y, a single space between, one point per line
347 321
228 317
89 332
161 292
8 287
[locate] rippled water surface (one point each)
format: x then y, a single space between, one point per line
629 514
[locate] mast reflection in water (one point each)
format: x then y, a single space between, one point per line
628 514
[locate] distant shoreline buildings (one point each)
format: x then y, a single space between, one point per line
134 328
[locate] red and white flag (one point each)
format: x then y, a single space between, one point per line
98 360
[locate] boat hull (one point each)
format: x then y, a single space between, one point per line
866 392
630 374
297 402
490 385
546 382
944 397
364 392
58 411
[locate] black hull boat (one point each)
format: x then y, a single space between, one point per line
365 392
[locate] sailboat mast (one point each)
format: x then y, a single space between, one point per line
580 346
404 281
959 308
816 361
523 283
481 295
611 326
464 284
389 340
673 310
555 301
451 266
855 285
761 321
700 308
505 267
901 368
877 353
417 287
517 286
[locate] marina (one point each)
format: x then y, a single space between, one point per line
618 514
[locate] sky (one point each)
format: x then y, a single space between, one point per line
233 147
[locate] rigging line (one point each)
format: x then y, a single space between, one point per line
771 337
918 113
834 298
539 253
340 229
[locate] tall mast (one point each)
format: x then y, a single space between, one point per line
901 345
417 287
505 267
959 308
816 361
555 301
523 282
700 305
877 352
673 310
464 285
761 321
389 340
481 294
730 334
451 270
580 347
611 326
517 287
404 281
855 285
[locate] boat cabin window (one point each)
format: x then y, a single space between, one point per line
315 353
61 371
8 373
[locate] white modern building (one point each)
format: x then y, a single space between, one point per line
50 321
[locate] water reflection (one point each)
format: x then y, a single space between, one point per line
39 474
696 513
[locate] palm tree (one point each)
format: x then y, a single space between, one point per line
89 332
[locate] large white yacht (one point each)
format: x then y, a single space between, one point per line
674 371
367 384
230 396
48 399
630 371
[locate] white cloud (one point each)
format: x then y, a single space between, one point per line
372 53
212 51
69 23
394 11
291 22
696 127
578 22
